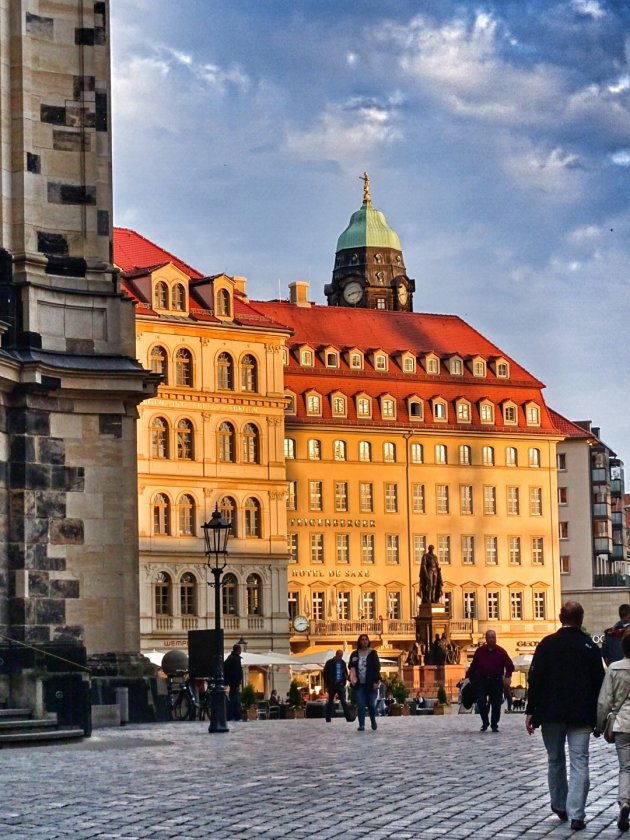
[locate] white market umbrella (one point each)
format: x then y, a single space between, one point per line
522 662
154 656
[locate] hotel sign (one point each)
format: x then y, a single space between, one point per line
335 523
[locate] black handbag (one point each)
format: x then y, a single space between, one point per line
468 694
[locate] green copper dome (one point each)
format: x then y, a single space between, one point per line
368 227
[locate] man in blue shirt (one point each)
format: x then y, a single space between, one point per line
335 678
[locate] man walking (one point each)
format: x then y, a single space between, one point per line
233 677
491 671
335 676
611 646
564 681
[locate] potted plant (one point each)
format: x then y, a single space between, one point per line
295 705
248 701
399 692
442 706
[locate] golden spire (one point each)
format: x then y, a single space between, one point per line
367 198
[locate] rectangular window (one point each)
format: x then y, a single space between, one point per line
292 543
561 460
491 550
394 601
468 550
341 496
318 606
366 497
342 544
514 550
367 548
391 498
489 501
563 528
444 549
343 606
535 501
368 605
538 551
419 547
470 604
565 564
417 498
516 606
317 548
493 606
448 604
540 609
315 495
388 408
563 495
466 498
293 605
442 498
292 495
513 502
392 548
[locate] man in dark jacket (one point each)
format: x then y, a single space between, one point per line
611 646
564 681
233 677
490 671
335 676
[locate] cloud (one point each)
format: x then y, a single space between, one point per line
588 7
557 172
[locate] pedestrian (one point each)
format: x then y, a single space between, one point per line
335 677
491 671
611 646
233 678
615 697
565 677
365 675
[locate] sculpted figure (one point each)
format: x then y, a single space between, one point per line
430 578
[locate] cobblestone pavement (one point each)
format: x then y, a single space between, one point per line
416 777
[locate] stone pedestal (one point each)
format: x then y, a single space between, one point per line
432 620
426 678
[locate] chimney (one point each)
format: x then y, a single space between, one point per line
299 293
240 285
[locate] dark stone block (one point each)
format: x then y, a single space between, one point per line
61 588
110 424
40 27
80 346
70 141
33 163
39 585
100 36
54 114
17 529
28 421
71 479
21 503
51 505
50 611
82 83
68 632
67 532
66 266
17 611
15 556
102 222
100 107
22 448
36 558
84 36
37 476
71 193
51 243
4 469
34 634
51 451
17 476
35 530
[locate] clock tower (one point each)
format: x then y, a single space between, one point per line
369 269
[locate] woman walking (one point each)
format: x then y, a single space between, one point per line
614 696
365 675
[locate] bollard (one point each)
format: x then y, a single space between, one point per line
122 700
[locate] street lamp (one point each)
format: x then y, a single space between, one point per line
242 643
216 533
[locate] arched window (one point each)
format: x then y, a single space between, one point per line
163 592
188 594
227 450
487 456
249 374
185 439
179 297
289 449
227 506
534 457
230 594
417 453
465 454
183 367
159 438
250 444
254 595
223 303
225 372
159 363
186 515
314 449
161 515
339 450
511 456
389 452
365 450
160 297
251 510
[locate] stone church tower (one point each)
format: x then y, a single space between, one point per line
69 381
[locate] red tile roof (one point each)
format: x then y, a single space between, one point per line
133 251
567 428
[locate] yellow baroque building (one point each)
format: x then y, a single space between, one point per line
212 436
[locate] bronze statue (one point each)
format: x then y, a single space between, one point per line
430 578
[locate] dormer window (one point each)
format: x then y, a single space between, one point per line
338 404
313 404
356 361
502 369
306 358
179 297
408 364
432 365
285 356
510 417
415 409
463 411
532 413
290 403
332 359
478 366
486 412
380 361
381 303
364 407
439 410
388 408
223 308
160 296
456 366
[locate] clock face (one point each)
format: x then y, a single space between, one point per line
353 292
300 623
402 294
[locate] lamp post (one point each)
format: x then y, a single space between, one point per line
216 534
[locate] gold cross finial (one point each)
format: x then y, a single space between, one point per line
367 198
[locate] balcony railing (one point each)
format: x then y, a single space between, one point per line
599 476
461 626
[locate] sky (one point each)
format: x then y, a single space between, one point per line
496 136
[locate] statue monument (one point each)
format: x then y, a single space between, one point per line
430 578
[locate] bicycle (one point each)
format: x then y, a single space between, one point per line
182 702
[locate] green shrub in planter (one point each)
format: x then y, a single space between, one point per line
442 696
248 697
394 684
